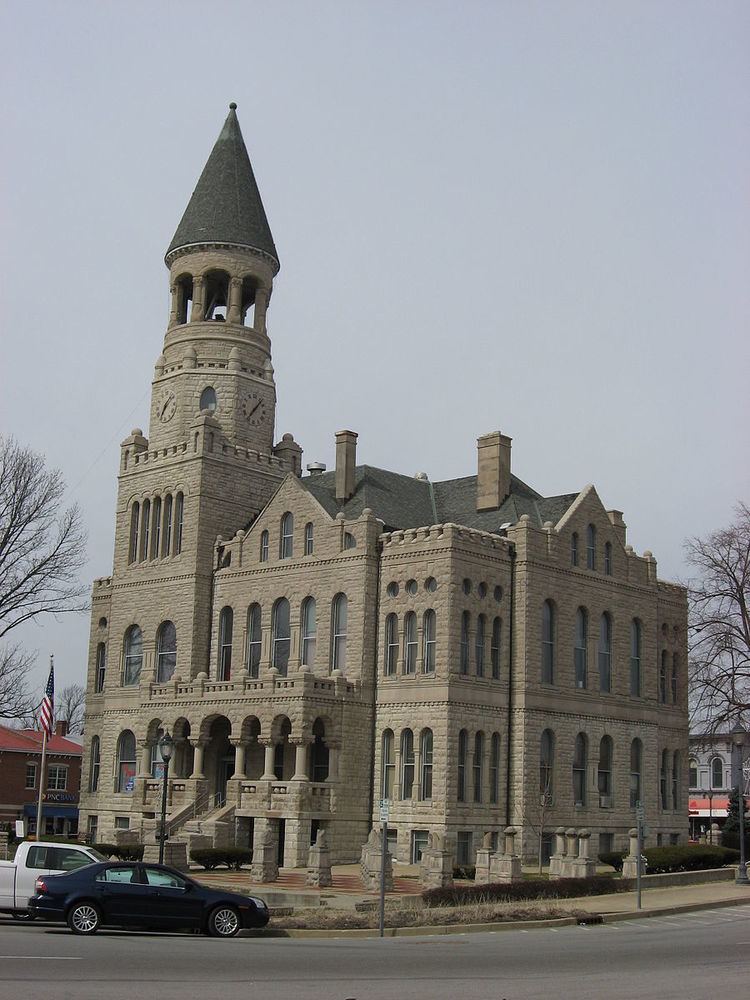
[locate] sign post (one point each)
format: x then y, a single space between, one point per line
385 805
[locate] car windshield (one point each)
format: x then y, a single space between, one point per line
96 855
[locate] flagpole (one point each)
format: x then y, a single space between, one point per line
41 789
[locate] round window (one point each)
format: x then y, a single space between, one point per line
430 584
392 589
208 399
102 623
411 586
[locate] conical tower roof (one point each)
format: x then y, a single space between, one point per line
225 206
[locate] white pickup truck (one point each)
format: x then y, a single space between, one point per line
33 858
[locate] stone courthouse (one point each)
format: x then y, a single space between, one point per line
473 651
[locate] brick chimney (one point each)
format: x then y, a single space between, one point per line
61 728
346 461
493 470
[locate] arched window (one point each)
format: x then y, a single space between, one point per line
604 773
339 617
388 765
664 779
463 751
496 647
479 646
133 656
478 765
319 753
166 652
391 644
495 768
216 296
178 518
183 298
428 639
663 677
226 625
263 546
286 536
101 667
145 528
309 631
208 399
410 642
676 780
717 773
693 773
309 539
591 547
426 765
580 650
605 653
547 766
636 758
608 558
464 666
156 531
574 549
407 763
135 511
635 658
166 546
254 639
548 643
674 678
125 762
280 635
94 764
579 770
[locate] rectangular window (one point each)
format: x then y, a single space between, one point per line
606 843
122 822
418 845
635 677
57 777
674 838
463 847
92 829
31 775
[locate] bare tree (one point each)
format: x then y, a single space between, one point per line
537 812
42 549
719 625
69 707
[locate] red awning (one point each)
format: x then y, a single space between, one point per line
700 806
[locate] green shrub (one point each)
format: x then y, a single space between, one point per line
122 852
232 857
695 857
732 840
465 872
563 888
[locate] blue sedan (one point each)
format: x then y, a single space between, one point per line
115 894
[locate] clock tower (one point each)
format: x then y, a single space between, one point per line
216 358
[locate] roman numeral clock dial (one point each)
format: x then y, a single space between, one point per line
166 406
254 409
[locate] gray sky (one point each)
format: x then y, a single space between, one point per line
523 216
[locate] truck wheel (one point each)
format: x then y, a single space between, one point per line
84 918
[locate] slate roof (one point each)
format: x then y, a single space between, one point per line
404 502
225 206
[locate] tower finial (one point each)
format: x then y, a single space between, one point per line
232 106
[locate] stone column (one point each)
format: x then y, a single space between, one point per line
630 863
558 857
268 772
333 760
262 296
196 313
144 769
397 776
239 759
198 747
235 301
300 760
482 873
174 291
583 866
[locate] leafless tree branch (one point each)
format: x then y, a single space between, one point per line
69 707
16 702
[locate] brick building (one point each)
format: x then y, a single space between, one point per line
475 652
20 767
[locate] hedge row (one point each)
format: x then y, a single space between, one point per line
212 857
562 888
123 852
659 860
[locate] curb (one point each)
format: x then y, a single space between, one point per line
590 918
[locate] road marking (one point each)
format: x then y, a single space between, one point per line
45 958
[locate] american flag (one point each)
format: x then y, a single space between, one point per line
47 711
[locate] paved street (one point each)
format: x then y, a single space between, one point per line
690 957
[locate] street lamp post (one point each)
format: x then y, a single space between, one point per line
738 737
166 749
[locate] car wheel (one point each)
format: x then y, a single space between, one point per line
23 915
84 918
224 922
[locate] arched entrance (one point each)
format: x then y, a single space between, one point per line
219 759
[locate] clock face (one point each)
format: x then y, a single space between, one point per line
254 409
166 406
